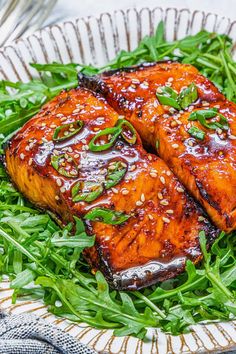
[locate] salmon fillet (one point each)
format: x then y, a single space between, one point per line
206 167
50 161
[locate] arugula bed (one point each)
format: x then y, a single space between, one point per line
35 249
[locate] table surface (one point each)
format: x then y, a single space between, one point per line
65 9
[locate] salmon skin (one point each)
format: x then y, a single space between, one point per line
206 167
50 161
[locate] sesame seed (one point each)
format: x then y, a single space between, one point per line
150 217
132 168
175 146
168 173
27 148
166 220
180 190
178 122
162 179
63 119
150 157
168 84
232 137
59 115
190 143
171 110
159 90
30 161
43 124
205 104
201 218
155 104
114 190
145 83
190 108
77 110
219 131
57 197
170 211
22 156
125 191
173 123
121 117
53 126
135 81
171 79
217 106
153 174
166 116
44 140
83 141
142 198
69 149
58 182
62 189
139 203
160 196
164 202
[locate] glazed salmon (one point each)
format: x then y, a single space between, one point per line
78 157
197 141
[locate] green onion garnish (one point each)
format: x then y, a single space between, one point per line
196 133
64 165
169 97
111 134
106 216
86 191
188 96
115 172
128 132
203 115
66 131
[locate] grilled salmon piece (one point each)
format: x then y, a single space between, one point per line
51 163
207 167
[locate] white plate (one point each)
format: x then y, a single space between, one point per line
97 40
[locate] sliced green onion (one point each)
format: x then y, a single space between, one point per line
106 216
113 132
203 115
64 165
66 131
168 97
128 132
115 172
188 96
86 191
157 144
196 133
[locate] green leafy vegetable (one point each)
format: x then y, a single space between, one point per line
196 133
106 216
